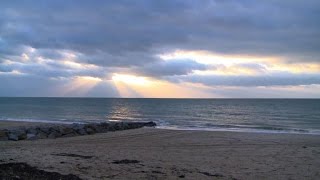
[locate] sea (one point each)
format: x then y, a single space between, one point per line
301 116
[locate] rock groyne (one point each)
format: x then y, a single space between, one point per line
53 131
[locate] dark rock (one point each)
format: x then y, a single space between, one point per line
13 137
42 135
125 126
212 175
182 176
81 132
150 124
134 125
73 155
105 125
54 131
126 161
31 136
111 127
22 136
3 134
32 130
69 135
17 133
54 134
89 130
119 126
64 130
77 127
99 128
45 129
157 172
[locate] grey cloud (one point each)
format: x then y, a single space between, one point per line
169 68
122 27
266 92
281 79
53 69
39 86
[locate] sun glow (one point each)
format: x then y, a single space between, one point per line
80 85
130 79
236 64
207 57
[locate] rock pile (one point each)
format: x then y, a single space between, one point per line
67 130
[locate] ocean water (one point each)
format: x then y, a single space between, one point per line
252 115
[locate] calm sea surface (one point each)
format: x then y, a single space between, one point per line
257 115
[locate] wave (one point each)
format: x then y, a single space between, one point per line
240 128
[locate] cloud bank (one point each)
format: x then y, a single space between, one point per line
48 44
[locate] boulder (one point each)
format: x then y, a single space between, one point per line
42 135
89 130
97 128
17 133
13 137
133 125
125 125
119 126
69 135
78 128
66 130
53 129
31 136
103 127
3 134
150 124
81 131
22 136
32 130
45 129
54 134
111 127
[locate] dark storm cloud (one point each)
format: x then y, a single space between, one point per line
121 28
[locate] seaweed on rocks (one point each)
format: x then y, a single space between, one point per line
13 171
126 161
73 155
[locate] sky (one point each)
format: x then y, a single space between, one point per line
160 49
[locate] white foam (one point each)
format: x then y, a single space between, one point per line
251 130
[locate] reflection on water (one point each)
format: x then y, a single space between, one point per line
123 111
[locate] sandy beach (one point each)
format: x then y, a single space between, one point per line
151 153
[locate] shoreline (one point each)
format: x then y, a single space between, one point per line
18 123
152 153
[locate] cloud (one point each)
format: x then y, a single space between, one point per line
169 68
41 41
65 87
251 81
123 28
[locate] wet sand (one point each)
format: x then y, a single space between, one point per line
151 153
